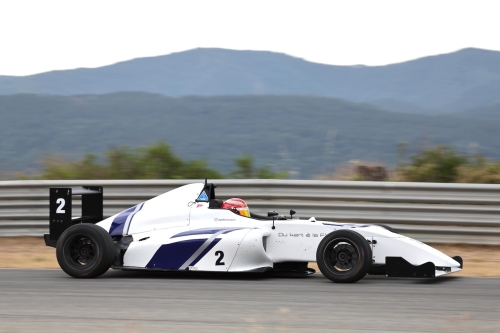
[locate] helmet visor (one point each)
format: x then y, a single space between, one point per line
244 211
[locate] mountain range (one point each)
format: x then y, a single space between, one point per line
304 134
454 82
290 114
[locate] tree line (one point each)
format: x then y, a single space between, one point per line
440 164
443 164
152 162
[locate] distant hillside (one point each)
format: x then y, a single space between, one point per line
457 81
304 134
491 112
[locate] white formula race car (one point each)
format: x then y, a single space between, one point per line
187 230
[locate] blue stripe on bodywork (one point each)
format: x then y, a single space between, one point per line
116 228
352 226
333 225
212 244
131 216
205 231
174 255
181 255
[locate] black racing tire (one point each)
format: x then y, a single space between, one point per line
344 256
388 228
85 251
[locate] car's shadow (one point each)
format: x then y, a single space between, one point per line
443 279
126 274
422 281
190 275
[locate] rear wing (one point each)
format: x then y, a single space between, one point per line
61 208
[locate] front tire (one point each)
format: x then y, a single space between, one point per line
344 256
85 251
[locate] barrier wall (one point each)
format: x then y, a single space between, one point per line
429 212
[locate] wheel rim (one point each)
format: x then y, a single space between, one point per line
341 256
81 251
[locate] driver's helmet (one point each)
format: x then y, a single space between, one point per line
237 205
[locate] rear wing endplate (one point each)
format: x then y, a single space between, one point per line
61 209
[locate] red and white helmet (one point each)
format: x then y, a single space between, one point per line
237 205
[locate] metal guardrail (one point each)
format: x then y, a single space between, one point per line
429 212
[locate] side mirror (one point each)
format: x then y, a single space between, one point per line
292 213
272 214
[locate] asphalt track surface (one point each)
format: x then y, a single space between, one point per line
50 301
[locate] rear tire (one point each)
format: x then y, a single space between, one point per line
344 256
85 251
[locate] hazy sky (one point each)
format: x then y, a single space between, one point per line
38 36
